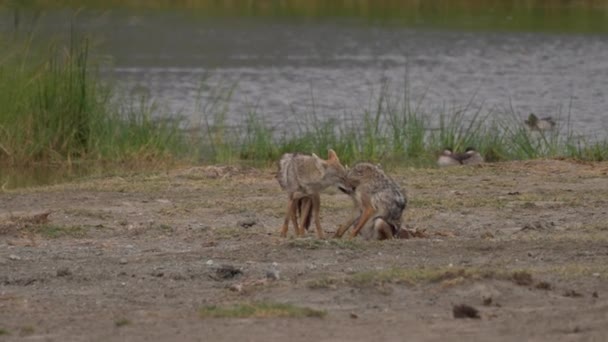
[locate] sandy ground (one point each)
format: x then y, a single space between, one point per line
149 257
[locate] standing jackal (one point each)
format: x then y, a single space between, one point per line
379 203
303 177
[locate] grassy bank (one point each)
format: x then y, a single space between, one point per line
396 131
54 110
526 15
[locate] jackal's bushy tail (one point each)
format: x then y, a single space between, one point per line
284 168
305 211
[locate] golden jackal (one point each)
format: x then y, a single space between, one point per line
303 177
379 203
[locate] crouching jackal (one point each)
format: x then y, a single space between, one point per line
379 203
303 177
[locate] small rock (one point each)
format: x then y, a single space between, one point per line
543 285
522 278
227 272
596 274
209 262
487 300
247 223
236 288
14 257
572 293
177 276
273 274
594 294
353 315
63 272
122 261
465 311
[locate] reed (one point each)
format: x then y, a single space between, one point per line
396 131
55 109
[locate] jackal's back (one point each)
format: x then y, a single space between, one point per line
308 173
386 196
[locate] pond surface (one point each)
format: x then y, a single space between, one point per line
287 69
292 69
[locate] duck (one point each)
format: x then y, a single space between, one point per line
539 124
469 157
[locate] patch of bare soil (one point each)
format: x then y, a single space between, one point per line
195 255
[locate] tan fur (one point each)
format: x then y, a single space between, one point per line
379 204
303 177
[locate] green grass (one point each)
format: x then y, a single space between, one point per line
526 15
260 310
121 322
54 109
413 276
330 243
56 113
397 132
53 231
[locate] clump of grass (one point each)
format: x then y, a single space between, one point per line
54 231
522 278
4 332
121 322
261 310
26 330
397 131
446 276
318 244
55 109
323 283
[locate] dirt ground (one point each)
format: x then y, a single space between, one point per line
154 257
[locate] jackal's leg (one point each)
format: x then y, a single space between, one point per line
305 211
382 230
367 213
285 225
294 217
316 207
343 228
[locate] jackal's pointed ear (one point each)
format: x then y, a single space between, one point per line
331 155
318 161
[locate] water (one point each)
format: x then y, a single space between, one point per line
335 69
288 70
285 70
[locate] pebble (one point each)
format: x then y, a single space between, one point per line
236 288
273 274
246 223
209 262
14 257
122 261
227 272
63 272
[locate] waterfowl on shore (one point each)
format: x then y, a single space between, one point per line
469 157
539 124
